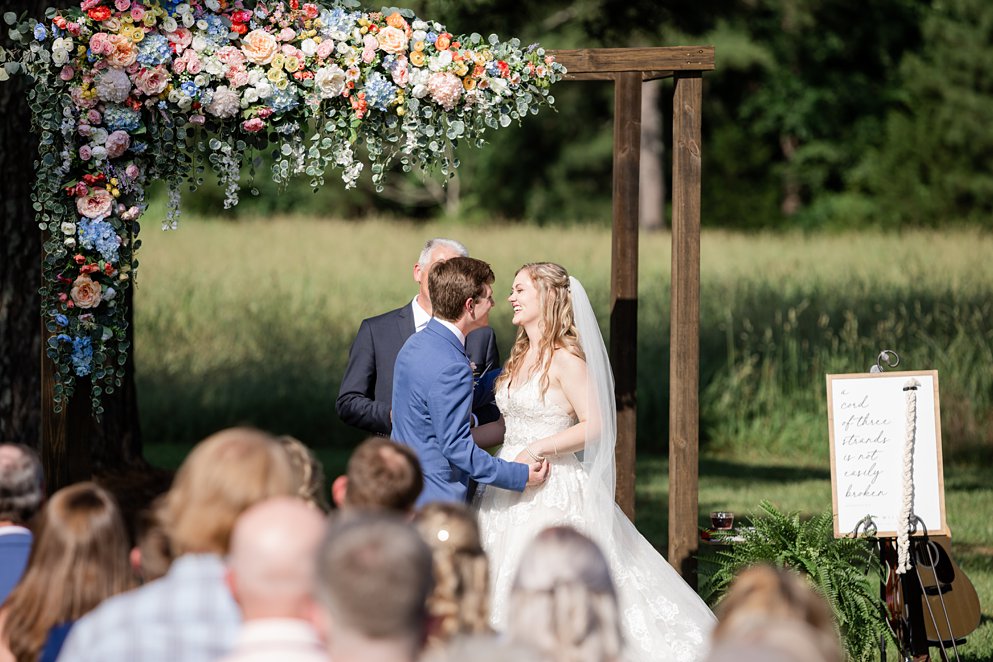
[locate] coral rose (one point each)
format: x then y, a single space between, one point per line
96 204
124 52
85 292
395 20
392 40
259 46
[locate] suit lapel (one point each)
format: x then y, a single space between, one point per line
405 323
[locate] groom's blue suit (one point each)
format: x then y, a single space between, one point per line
432 399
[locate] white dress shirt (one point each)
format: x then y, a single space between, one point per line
283 639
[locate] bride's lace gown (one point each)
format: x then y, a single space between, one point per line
664 619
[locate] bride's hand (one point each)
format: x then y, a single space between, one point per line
537 473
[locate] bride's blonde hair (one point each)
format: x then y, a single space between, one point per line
558 327
563 600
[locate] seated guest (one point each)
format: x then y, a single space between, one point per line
381 475
459 604
764 596
271 576
22 491
563 601
189 613
374 576
309 470
80 557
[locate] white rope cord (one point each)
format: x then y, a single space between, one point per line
907 509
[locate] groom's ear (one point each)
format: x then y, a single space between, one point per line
338 489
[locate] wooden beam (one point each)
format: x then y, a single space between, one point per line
624 279
662 58
684 348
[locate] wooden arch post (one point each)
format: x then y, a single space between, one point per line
629 68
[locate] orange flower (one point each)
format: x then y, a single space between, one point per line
443 41
469 84
417 58
99 13
395 20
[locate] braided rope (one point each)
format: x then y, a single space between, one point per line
907 508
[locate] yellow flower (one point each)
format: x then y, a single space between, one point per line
115 192
137 35
364 29
469 83
278 60
275 75
292 64
417 58
114 181
282 84
318 39
461 69
308 23
81 51
401 111
418 46
149 19
318 23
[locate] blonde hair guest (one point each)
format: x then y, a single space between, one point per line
459 604
563 601
79 558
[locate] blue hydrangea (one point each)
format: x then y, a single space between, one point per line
338 23
379 92
138 147
190 89
170 5
283 100
217 31
121 118
61 320
99 235
82 355
154 50
40 33
432 37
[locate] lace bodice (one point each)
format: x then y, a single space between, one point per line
527 416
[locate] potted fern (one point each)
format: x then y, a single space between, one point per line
845 571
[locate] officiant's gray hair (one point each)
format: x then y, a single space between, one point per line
432 244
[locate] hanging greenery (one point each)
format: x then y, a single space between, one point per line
127 92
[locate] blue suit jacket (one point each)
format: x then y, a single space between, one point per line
367 385
432 398
14 551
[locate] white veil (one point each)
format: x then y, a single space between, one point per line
601 422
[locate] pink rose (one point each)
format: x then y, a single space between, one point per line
194 64
122 5
325 48
231 56
85 292
123 53
85 153
370 43
237 76
81 189
259 46
152 81
253 125
93 116
97 204
180 39
287 34
137 13
117 143
401 74
392 40
197 120
84 130
132 171
100 43
67 73
368 56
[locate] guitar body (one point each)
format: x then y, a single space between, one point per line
947 590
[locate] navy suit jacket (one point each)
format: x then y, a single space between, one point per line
14 551
367 385
432 399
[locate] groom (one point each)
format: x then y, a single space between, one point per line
432 390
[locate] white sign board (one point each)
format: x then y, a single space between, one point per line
867 420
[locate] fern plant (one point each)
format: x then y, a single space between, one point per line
845 571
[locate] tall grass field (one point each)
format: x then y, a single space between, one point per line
250 322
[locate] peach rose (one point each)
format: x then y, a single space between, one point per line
259 46
85 292
443 41
392 40
124 52
96 204
152 81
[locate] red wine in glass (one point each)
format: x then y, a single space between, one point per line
722 520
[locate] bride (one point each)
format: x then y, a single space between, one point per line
556 395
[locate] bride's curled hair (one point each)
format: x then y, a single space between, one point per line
563 601
558 326
459 604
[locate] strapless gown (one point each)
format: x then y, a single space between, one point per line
663 618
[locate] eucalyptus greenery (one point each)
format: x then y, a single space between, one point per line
845 571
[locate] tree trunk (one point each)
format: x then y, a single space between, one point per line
71 444
652 183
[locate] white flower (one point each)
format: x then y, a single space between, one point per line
418 35
254 76
183 8
202 24
99 153
419 91
419 26
499 85
169 24
64 43
440 61
188 20
108 294
68 228
264 89
213 5
330 81
213 66
309 47
98 136
198 43
201 80
69 242
225 102
250 96
185 103
60 56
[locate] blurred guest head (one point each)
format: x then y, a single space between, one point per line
223 475
309 471
272 561
459 604
563 600
374 578
79 558
22 484
151 556
763 596
381 475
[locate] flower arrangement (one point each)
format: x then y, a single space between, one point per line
130 91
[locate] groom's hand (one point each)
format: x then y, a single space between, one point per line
537 473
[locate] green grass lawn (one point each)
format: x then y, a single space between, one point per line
250 322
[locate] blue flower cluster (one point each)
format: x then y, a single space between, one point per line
217 32
82 355
99 235
170 5
379 92
283 100
190 89
40 33
121 118
154 50
138 147
338 23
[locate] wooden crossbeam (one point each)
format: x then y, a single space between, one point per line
654 62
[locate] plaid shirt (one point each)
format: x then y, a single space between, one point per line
187 615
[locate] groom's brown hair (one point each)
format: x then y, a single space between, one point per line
453 281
